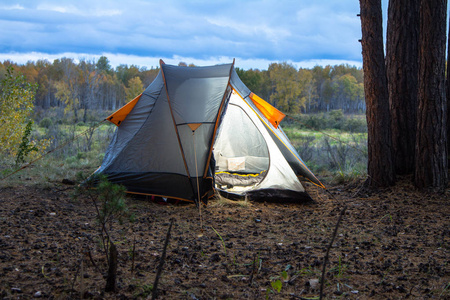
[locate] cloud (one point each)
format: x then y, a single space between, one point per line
270 30
72 9
11 7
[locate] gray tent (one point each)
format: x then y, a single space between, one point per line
197 129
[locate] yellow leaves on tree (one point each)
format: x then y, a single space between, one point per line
135 88
16 106
65 92
286 88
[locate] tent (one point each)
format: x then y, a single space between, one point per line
195 130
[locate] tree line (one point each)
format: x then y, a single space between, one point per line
308 90
78 87
83 86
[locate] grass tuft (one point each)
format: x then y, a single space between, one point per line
220 201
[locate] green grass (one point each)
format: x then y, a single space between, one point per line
295 134
330 152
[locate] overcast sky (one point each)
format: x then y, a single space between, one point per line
204 32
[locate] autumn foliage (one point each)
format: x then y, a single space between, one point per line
16 108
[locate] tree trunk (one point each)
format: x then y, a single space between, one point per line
402 67
431 139
380 165
448 98
112 269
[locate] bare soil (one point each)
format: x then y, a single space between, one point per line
391 244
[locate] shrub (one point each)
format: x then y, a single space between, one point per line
26 146
46 123
315 122
336 119
355 125
110 206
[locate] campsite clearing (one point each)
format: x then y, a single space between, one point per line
394 244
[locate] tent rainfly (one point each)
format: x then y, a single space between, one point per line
199 129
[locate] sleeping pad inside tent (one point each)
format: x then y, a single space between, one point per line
195 130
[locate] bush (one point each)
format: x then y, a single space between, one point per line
305 146
355 125
315 122
335 119
46 123
336 114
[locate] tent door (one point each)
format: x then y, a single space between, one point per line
240 152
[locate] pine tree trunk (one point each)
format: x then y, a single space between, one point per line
431 139
402 67
112 269
380 164
448 99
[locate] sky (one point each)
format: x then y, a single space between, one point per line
303 33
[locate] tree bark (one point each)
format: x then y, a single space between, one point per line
402 67
448 97
380 164
431 139
112 269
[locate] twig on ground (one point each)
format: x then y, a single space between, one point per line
133 253
89 254
75 278
253 269
161 262
325 260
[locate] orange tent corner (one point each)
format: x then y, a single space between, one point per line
271 113
119 115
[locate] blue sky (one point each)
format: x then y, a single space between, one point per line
255 33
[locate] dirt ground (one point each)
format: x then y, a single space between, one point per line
392 244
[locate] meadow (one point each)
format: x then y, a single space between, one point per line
333 145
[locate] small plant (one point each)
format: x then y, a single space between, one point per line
342 177
26 146
145 290
307 271
276 283
220 237
110 206
445 288
340 269
385 216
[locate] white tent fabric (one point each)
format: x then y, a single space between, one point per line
242 134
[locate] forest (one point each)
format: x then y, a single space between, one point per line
94 85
